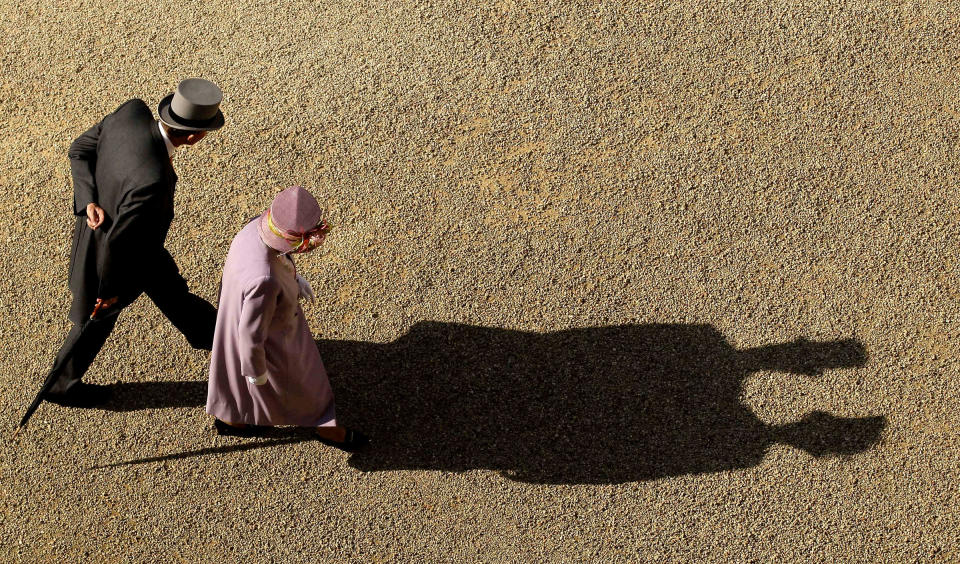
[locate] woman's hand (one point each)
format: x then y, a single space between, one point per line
259 380
306 291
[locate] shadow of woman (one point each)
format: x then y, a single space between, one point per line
582 406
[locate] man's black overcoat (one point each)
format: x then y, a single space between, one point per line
122 165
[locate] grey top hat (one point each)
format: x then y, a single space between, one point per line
195 106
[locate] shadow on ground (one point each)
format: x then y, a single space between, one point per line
582 406
135 396
593 405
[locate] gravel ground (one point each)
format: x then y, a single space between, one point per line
599 271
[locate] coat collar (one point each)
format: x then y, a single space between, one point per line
160 147
166 141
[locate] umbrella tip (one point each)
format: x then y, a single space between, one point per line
19 430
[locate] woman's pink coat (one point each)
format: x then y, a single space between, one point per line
261 330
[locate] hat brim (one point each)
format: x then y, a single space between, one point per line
214 123
270 238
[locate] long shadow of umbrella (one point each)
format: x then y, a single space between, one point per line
135 396
592 405
207 451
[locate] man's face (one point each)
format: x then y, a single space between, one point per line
191 139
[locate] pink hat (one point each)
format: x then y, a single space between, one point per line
294 222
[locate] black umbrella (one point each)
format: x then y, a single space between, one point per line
58 365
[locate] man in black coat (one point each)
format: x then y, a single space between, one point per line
123 182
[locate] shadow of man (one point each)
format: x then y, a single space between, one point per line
582 406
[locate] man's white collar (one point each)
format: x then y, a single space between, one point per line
166 140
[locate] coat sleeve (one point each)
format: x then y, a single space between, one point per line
83 164
131 243
256 315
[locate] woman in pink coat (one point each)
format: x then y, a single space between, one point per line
265 368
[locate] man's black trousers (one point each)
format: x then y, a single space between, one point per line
190 314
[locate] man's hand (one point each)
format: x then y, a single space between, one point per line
102 304
95 216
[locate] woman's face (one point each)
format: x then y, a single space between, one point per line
315 238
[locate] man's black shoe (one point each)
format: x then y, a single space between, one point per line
82 395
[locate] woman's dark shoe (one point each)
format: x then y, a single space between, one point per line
352 441
81 394
227 430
